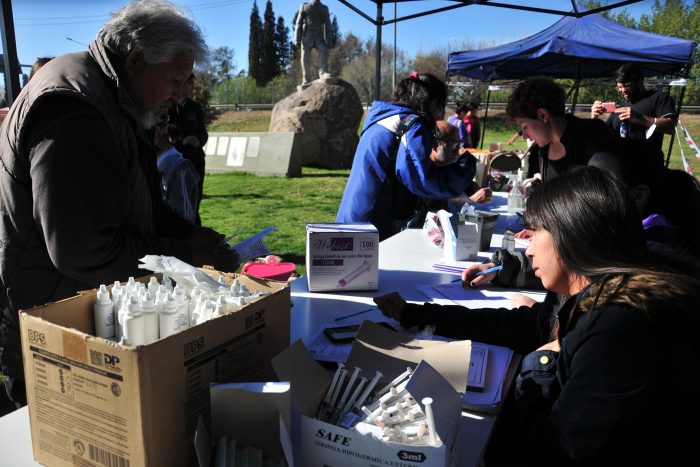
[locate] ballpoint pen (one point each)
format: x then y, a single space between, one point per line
489 270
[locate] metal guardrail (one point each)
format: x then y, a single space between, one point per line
580 107
239 107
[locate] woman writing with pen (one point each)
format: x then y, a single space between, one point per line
614 381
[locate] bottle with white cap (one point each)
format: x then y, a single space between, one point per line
104 314
134 327
167 282
167 319
119 313
153 285
150 317
182 320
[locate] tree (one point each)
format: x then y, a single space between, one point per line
282 45
434 62
360 71
222 65
269 62
334 34
255 68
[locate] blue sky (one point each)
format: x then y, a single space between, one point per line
43 26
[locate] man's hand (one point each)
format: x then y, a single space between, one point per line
470 279
597 109
391 305
208 249
482 195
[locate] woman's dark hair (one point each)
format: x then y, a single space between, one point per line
595 225
674 194
635 163
418 90
628 73
533 94
462 108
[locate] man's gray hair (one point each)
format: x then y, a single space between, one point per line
157 28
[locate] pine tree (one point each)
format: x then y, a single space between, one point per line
282 45
269 62
255 45
334 34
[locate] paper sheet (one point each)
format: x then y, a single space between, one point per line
454 294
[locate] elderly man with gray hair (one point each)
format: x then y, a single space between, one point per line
79 189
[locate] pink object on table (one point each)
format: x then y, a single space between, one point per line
274 271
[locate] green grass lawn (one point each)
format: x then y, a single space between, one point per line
234 201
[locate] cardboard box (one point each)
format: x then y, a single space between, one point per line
342 257
248 414
467 234
440 373
94 402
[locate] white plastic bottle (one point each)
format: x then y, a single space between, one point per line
104 314
150 317
134 327
167 319
221 307
182 320
516 196
192 304
167 282
119 313
153 285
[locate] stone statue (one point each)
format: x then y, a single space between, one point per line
313 29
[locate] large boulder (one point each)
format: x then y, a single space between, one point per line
327 113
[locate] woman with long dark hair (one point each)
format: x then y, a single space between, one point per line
618 384
615 378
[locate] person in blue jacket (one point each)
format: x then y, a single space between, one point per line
392 170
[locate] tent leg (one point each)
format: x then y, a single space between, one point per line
378 58
486 117
577 84
678 112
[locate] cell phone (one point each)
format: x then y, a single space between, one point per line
344 334
609 106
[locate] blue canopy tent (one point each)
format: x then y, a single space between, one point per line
577 48
521 5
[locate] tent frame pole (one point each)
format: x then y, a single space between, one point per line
486 117
678 112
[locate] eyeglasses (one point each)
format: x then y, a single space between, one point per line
622 86
453 144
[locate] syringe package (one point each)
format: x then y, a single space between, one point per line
342 257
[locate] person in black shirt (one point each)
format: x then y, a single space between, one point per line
537 106
650 114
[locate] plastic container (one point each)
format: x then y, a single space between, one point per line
486 221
